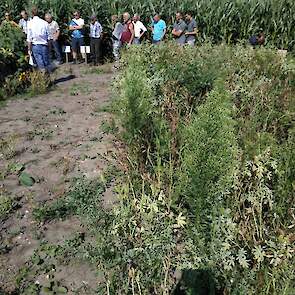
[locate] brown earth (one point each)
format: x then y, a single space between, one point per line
56 137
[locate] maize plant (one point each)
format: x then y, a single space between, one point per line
218 20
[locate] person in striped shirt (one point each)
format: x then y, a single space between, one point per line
95 39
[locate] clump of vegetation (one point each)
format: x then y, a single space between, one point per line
208 190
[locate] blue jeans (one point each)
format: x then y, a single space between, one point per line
156 42
116 49
41 56
136 41
54 45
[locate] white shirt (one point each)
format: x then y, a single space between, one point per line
38 31
53 28
138 28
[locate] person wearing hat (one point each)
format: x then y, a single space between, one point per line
95 39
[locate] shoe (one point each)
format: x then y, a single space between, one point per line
74 62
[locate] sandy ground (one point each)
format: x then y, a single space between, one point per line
56 137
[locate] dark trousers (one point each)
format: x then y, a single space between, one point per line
54 46
95 48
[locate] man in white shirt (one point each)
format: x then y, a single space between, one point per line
23 23
139 29
53 38
37 38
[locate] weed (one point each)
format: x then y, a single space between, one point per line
40 83
109 127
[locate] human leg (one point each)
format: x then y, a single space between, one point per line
97 50
116 49
75 45
57 50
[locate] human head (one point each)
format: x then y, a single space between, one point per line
77 14
34 11
178 16
157 17
24 14
188 16
7 16
126 17
136 17
93 18
261 38
48 17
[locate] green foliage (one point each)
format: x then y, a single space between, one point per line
209 154
224 171
6 205
218 20
83 198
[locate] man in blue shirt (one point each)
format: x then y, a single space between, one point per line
158 29
76 27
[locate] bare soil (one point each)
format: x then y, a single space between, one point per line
56 137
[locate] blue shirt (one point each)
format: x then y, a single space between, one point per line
159 28
77 33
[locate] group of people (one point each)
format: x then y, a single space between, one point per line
42 34
132 30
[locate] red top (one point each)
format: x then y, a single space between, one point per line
126 34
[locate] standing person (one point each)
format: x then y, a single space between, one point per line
116 36
139 29
23 23
76 27
179 29
191 29
128 30
95 39
158 29
54 33
9 20
38 36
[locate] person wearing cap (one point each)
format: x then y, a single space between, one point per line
139 29
95 39
54 33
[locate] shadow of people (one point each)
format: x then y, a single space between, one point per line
64 79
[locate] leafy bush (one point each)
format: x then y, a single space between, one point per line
211 178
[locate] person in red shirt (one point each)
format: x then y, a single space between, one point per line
128 30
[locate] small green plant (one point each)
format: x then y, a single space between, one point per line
6 205
39 82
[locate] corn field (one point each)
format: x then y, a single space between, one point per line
218 20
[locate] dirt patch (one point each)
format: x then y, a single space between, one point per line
53 138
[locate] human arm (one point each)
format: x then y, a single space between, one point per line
193 33
131 28
29 40
56 33
143 29
177 33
